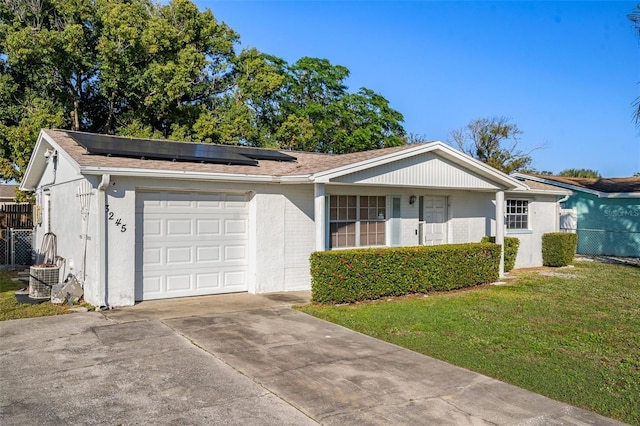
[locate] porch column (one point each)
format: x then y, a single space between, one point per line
500 228
318 215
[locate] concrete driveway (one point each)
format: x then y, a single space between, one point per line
241 359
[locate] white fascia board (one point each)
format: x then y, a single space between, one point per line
295 179
172 174
599 194
447 151
35 166
38 163
556 183
540 192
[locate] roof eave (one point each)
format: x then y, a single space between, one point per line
38 162
172 174
541 192
599 194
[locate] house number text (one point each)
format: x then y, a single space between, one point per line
116 221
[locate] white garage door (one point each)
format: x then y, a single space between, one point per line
190 244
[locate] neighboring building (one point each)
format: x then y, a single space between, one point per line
138 219
604 212
7 194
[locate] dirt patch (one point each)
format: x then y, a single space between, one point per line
557 274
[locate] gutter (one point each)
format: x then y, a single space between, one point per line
101 245
158 174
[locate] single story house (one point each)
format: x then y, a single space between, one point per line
139 219
605 212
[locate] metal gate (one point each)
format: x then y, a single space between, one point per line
16 247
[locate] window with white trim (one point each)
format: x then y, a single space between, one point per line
357 221
517 214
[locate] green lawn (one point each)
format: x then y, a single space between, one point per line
575 340
10 309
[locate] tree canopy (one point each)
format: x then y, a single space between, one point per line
146 69
580 173
494 141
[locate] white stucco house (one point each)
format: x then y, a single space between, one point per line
133 226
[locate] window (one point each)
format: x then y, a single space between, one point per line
357 221
517 214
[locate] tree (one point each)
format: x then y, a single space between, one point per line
580 173
306 106
413 138
314 100
634 16
114 66
168 70
493 141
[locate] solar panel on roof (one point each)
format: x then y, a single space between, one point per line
262 153
177 151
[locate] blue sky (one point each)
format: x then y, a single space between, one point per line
565 72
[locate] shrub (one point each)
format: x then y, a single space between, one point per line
344 276
558 248
511 245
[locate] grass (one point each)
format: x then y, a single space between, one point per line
575 340
10 309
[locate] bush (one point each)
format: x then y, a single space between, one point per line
558 248
511 245
344 276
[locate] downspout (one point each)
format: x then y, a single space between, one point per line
562 200
319 215
101 245
500 229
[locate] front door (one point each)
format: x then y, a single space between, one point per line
435 222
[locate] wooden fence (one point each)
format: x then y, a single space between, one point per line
16 216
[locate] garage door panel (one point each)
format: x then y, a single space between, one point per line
208 254
235 253
153 284
179 228
234 278
208 227
153 256
152 227
208 281
193 244
236 227
178 283
179 255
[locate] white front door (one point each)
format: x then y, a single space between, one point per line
435 222
190 244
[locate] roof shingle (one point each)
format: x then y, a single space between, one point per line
607 185
307 163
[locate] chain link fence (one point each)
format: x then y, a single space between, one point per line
16 247
601 242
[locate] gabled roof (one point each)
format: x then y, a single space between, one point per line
308 167
602 187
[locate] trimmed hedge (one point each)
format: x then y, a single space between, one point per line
558 248
344 276
511 245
